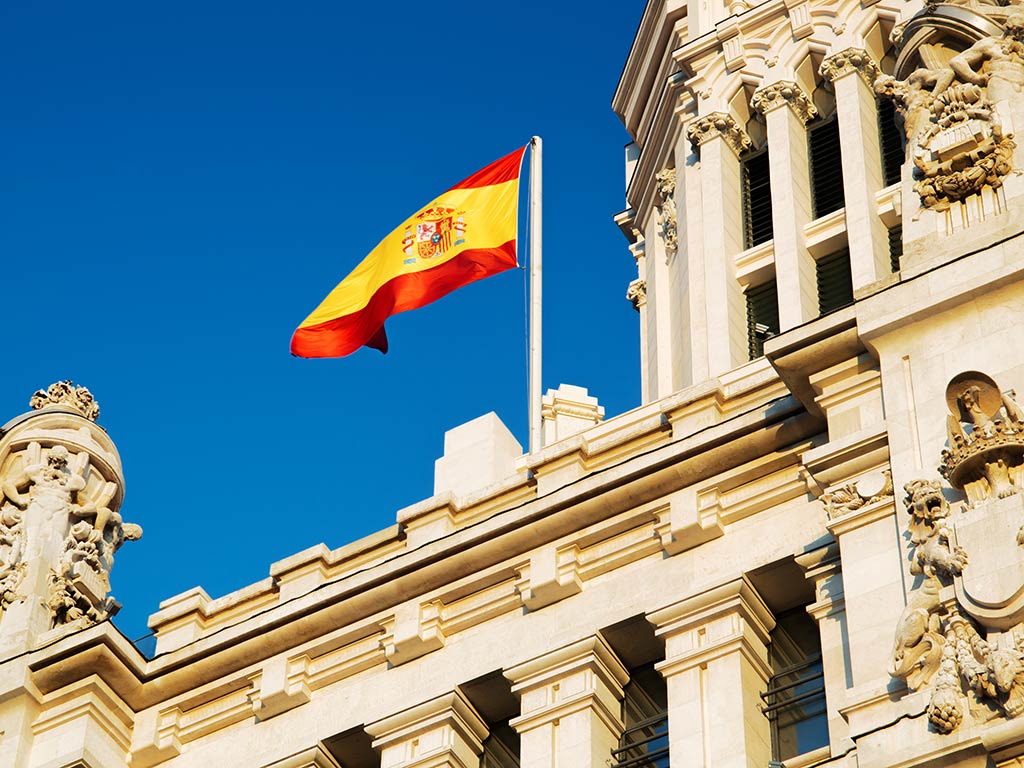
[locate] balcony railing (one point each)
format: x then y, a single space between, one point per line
795 706
644 745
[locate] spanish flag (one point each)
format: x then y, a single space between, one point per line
466 234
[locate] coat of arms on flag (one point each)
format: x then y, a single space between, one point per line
437 229
426 257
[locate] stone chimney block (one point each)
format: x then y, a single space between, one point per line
567 411
476 454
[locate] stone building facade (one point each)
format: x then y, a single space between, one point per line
804 548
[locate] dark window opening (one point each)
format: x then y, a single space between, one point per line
644 742
795 700
501 747
826 168
757 199
762 316
895 246
890 140
835 283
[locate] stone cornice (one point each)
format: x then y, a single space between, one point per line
784 93
451 709
355 596
718 125
848 61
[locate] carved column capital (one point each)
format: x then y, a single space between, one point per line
715 125
636 293
848 61
784 93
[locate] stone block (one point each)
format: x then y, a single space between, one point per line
476 454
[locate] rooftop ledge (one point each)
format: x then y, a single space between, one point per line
512 482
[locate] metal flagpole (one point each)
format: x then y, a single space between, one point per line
536 438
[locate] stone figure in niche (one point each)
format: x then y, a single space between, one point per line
50 482
955 134
962 632
62 494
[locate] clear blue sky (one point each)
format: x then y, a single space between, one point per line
184 182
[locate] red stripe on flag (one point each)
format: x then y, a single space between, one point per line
498 172
344 335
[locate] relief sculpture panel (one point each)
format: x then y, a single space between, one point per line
957 114
962 632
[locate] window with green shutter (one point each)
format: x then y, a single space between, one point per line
826 168
757 199
762 316
890 140
835 284
895 246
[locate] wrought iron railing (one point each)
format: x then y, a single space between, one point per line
795 706
644 745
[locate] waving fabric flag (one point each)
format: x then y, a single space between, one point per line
466 234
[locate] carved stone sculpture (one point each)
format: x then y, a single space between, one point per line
985 428
666 179
60 489
934 553
968 642
951 118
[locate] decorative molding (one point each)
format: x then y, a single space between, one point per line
847 62
851 496
66 394
666 181
718 125
784 93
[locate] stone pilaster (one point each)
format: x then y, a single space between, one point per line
872 563
445 732
721 331
787 109
822 568
716 667
570 706
853 73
